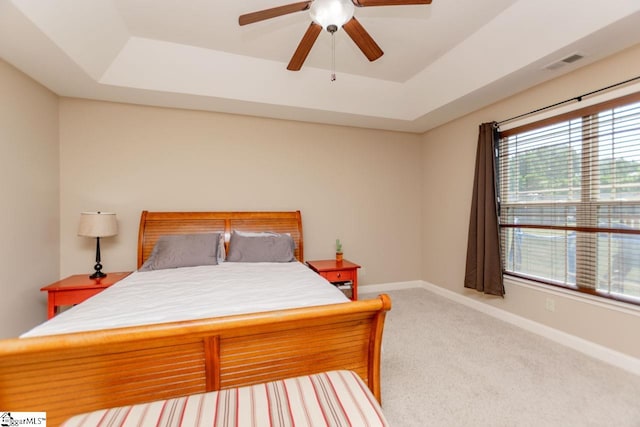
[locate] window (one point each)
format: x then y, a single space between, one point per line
569 192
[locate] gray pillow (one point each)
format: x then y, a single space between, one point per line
261 247
183 250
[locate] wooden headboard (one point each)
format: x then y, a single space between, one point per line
155 224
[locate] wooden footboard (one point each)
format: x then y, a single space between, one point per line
72 373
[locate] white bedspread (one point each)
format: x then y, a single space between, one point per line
195 293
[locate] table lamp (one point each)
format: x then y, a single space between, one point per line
97 224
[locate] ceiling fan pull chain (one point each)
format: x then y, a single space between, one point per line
333 56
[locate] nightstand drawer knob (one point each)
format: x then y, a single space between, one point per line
339 275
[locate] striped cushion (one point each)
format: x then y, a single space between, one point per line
336 398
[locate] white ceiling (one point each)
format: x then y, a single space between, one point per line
441 61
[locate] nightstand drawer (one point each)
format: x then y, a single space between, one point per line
338 276
74 297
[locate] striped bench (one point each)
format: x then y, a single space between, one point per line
336 398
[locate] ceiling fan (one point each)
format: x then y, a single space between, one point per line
330 15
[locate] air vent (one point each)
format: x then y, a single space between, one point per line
573 58
564 61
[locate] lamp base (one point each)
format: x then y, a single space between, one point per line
97 275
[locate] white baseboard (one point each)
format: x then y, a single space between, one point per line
395 286
589 348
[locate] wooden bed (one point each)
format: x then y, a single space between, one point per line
79 372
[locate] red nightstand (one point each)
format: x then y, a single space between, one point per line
343 274
75 289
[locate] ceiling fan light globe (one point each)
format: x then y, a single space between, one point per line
331 12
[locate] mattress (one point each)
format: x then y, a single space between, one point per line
336 398
195 293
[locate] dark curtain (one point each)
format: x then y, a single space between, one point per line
484 267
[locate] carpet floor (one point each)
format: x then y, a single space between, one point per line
444 364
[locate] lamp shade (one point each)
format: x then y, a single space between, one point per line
97 224
331 12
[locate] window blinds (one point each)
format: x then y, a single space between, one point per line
569 192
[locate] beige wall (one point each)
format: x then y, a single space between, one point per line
29 190
448 160
360 185
375 190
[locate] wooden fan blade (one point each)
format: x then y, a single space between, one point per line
367 3
304 47
261 15
362 39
